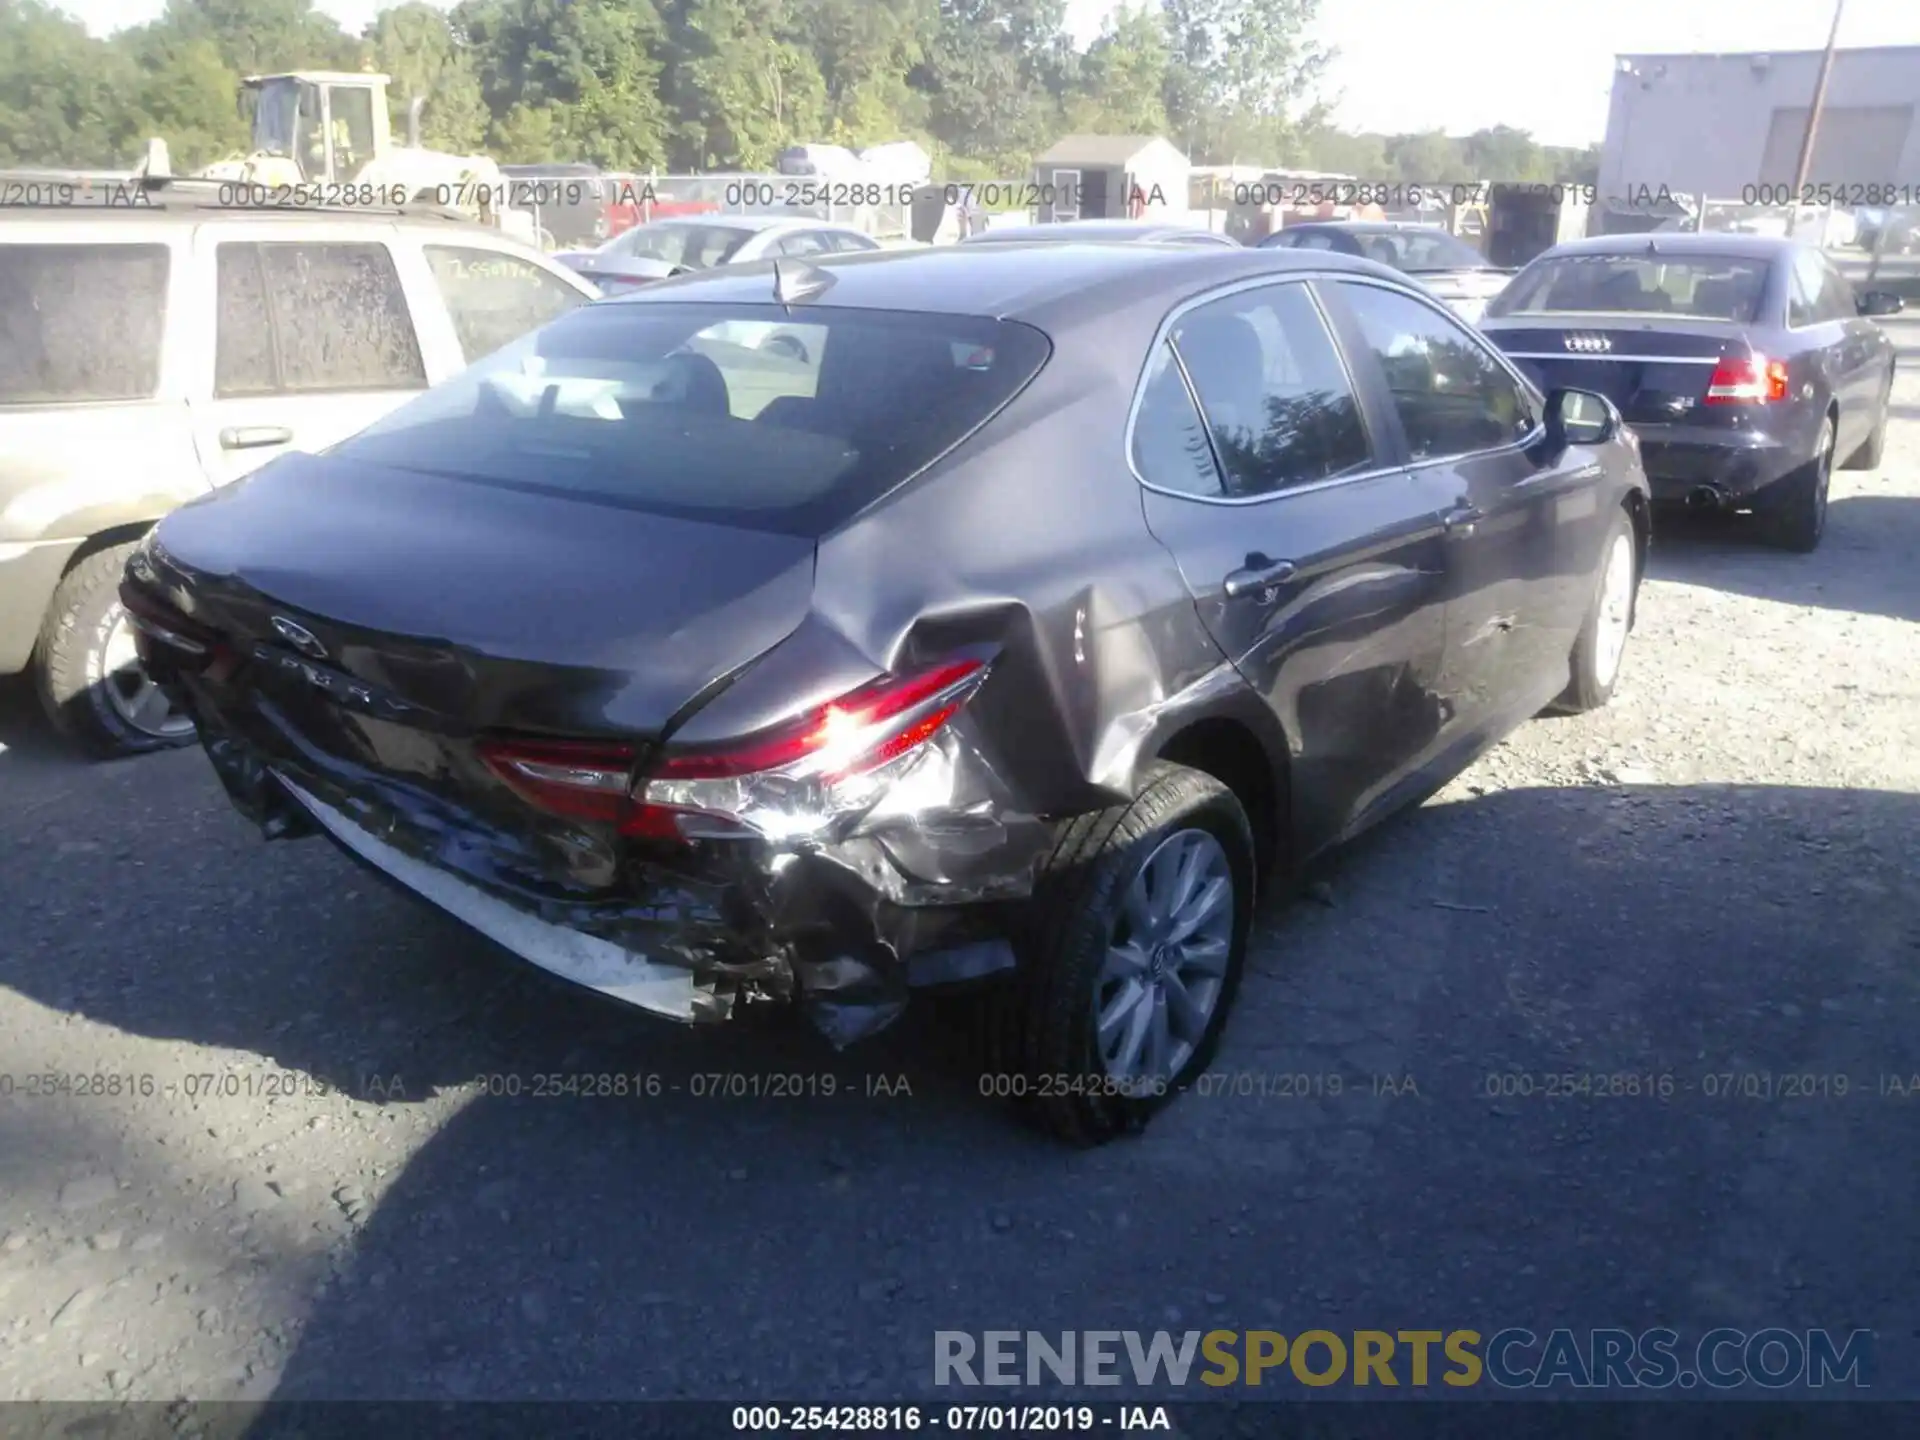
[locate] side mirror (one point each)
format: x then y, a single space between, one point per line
1881 302
1580 417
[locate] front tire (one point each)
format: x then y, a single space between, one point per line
1134 956
1798 517
88 675
1602 641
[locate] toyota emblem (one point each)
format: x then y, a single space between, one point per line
298 636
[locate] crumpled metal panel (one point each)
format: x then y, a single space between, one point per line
828 919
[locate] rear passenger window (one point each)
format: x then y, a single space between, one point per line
493 298
1170 446
300 318
1453 398
81 322
1273 393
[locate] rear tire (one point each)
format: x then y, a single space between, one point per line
1797 517
89 684
1602 642
1093 941
1870 454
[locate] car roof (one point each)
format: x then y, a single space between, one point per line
1036 282
716 219
1682 242
1364 227
1061 230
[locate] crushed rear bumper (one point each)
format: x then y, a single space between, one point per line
920 891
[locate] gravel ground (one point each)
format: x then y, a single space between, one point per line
317 1197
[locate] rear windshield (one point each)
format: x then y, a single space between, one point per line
81 322
733 413
698 247
1701 287
1416 251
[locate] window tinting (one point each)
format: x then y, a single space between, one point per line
1803 291
1452 396
493 299
81 322
300 319
1170 447
698 247
720 412
1837 301
1702 287
1273 392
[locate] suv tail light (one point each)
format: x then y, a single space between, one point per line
783 782
1747 379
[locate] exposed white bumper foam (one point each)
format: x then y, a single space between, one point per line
584 959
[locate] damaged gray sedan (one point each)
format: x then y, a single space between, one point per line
1008 628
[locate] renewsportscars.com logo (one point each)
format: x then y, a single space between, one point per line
1657 1359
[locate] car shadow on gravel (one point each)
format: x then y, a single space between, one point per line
24 731
771 1240
1868 562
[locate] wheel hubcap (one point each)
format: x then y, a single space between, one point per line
1823 477
135 699
1166 960
1616 610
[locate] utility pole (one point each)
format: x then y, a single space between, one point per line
1819 101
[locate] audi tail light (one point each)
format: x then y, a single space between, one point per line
1747 380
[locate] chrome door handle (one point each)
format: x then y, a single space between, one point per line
254 437
1462 518
1259 576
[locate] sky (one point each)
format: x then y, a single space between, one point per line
1456 65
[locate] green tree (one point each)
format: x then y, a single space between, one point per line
991 76
1120 87
593 63
63 94
263 36
736 91
1429 158
1241 78
865 51
185 93
414 45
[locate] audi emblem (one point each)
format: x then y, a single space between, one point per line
1587 344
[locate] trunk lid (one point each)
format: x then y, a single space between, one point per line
466 607
1655 373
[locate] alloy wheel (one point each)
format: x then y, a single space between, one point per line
1166 962
134 698
1616 611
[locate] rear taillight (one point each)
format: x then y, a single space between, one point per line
785 782
1747 379
575 779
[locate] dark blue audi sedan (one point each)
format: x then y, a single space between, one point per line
1747 365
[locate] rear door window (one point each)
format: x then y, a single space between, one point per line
494 298
81 323
301 318
1170 446
1272 390
1452 396
746 414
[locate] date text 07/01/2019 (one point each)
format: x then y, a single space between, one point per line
959 1419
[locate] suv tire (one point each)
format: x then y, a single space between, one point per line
1102 882
82 627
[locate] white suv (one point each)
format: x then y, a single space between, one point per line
150 354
